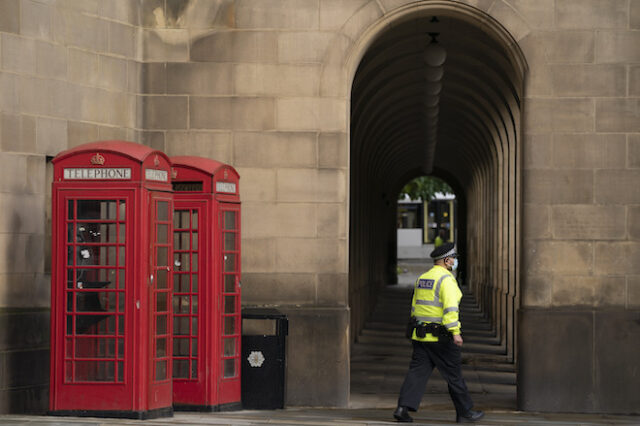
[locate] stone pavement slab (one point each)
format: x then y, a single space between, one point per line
329 416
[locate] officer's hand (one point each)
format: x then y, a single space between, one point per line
457 340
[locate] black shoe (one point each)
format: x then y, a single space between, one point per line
402 415
469 417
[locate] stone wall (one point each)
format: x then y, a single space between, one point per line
580 285
69 74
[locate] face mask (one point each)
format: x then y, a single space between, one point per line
455 264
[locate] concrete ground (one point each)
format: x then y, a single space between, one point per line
318 416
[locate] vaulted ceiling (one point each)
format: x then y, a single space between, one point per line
432 95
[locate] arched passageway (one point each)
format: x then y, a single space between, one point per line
415 111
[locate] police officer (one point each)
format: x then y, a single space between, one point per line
436 339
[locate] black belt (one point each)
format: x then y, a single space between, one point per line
422 328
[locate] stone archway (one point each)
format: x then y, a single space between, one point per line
474 142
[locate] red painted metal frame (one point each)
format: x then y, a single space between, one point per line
211 390
137 395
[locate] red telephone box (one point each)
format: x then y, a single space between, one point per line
112 218
206 292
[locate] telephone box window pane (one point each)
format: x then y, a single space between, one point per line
121 280
162 256
95 324
163 210
121 325
69 307
108 301
229 283
162 276
229 368
194 241
229 241
121 372
95 278
89 302
194 304
120 348
180 369
180 347
95 348
194 326
194 347
95 371
181 326
180 283
229 304
163 233
194 283
181 241
161 324
111 209
181 261
229 347
96 209
161 347
123 210
70 210
194 262
121 302
70 256
229 325
229 262
123 232
229 220
98 232
70 233
122 256
182 219
181 304
69 324
194 220
161 305
161 370
194 369
70 278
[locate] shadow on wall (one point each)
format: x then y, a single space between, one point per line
24 331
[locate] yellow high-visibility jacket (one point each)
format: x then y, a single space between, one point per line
436 299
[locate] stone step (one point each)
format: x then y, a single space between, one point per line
399 339
470 372
436 384
381 355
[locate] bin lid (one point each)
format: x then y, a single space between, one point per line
262 313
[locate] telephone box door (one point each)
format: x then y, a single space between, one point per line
92 260
160 286
191 324
229 242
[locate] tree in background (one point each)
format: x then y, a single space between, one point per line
424 188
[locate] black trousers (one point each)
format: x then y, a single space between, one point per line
445 356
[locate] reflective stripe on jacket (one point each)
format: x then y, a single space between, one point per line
436 298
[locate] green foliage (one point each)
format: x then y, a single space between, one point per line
424 188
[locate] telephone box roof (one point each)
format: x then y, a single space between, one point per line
206 165
133 150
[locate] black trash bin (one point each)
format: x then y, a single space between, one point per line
264 332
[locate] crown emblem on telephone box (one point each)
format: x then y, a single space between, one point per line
97 160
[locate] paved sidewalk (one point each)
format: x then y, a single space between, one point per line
327 416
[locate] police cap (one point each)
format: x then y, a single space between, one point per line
445 250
